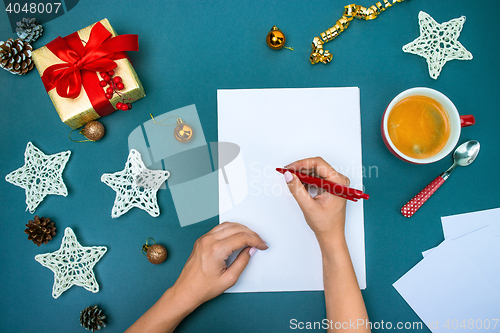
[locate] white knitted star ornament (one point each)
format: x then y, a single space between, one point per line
135 186
40 175
438 43
72 264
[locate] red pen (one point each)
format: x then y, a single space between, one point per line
334 188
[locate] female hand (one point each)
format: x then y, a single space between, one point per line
325 213
205 274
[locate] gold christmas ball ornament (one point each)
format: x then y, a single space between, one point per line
183 132
155 253
276 38
94 130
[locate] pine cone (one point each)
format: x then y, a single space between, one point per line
29 30
41 230
92 319
15 56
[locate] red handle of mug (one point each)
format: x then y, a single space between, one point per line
467 120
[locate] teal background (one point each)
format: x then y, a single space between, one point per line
188 50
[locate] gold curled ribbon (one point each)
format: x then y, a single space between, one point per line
319 54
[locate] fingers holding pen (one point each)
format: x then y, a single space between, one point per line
300 193
319 167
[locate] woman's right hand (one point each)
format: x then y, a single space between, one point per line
325 213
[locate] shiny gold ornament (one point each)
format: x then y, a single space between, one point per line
155 253
94 130
183 132
276 39
318 54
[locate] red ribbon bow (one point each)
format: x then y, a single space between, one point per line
83 62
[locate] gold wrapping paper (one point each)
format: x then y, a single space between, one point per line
319 54
79 111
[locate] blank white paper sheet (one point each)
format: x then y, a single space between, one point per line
459 225
274 127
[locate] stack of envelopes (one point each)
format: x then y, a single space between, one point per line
455 286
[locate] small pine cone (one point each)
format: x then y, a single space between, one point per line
15 56
41 230
92 319
29 30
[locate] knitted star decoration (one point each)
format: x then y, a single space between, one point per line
72 264
135 186
438 43
40 175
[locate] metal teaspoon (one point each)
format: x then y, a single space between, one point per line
464 155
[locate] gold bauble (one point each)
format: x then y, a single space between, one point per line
183 132
276 38
156 254
94 130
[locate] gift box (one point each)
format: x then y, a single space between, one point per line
70 69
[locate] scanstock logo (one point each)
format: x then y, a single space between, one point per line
205 178
43 11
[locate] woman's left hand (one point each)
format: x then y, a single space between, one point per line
205 274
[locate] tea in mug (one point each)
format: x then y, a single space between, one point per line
419 126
